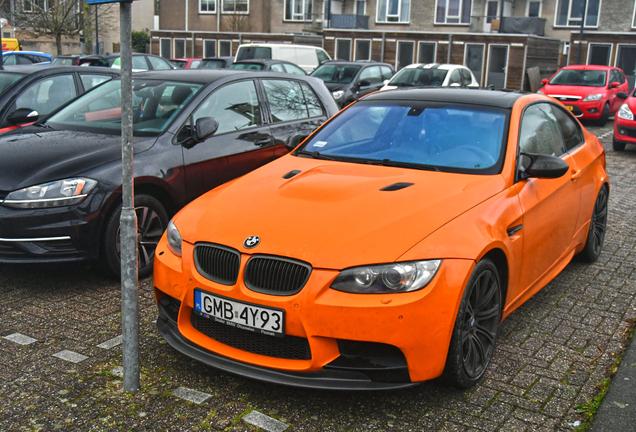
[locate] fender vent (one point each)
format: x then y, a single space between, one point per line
291 174
396 186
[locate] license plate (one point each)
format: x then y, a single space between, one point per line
246 316
570 107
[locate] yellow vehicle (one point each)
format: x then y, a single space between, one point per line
9 44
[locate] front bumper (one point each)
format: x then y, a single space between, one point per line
586 110
60 234
417 325
624 130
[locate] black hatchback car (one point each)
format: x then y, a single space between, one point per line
31 92
60 179
350 80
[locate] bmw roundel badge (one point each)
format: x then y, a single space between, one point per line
251 242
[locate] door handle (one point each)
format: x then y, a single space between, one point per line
262 141
576 174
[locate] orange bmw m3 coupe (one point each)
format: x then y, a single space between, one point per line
386 249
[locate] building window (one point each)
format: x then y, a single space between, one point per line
207 6
343 49
298 10
236 6
599 54
29 5
570 12
492 9
393 11
474 59
225 48
361 7
209 48
179 48
164 47
453 11
534 8
405 54
362 50
426 52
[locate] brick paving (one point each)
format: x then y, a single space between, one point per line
541 370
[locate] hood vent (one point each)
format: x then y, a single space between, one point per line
291 174
396 186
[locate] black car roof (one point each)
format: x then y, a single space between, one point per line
265 61
53 69
205 76
499 99
358 63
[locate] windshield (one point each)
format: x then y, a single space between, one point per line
253 52
155 104
7 80
418 77
212 64
331 73
590 78
415 134
179 63
249 66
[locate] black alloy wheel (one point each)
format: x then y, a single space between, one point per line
598 227
152 221
476 327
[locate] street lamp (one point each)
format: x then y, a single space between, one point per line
583 14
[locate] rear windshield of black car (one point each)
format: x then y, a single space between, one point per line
7 79
331 73
212 64
248 66
573 77
249 53
155 105
415 134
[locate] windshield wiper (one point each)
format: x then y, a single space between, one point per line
42 125
316 155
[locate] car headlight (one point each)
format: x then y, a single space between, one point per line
540 92
387 278
592 97
174 238
338 94
54 194
625 112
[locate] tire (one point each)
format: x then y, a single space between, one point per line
598 226
604 116
617 145
152 220
476 327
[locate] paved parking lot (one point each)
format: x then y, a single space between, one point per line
60 358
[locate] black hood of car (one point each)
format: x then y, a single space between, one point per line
35 155
337 86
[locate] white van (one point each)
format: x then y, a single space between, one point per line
306 56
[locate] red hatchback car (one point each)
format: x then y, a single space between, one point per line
591 92
625 124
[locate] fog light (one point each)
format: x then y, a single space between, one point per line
622 131
592 111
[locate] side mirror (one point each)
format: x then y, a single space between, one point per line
22 116
204 128
544 166
364 83
386 82
621 95
544 81
615 84
295 141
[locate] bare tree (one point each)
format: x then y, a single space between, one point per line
52 18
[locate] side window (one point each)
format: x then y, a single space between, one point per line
24 60
540 132
286 100
234 106
572 135
387 73
371 74
455 78
195 64
321 56
314 107
90 81
47 94
158 64
42 59
9 60
139 63
292 69
468 80
278 68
